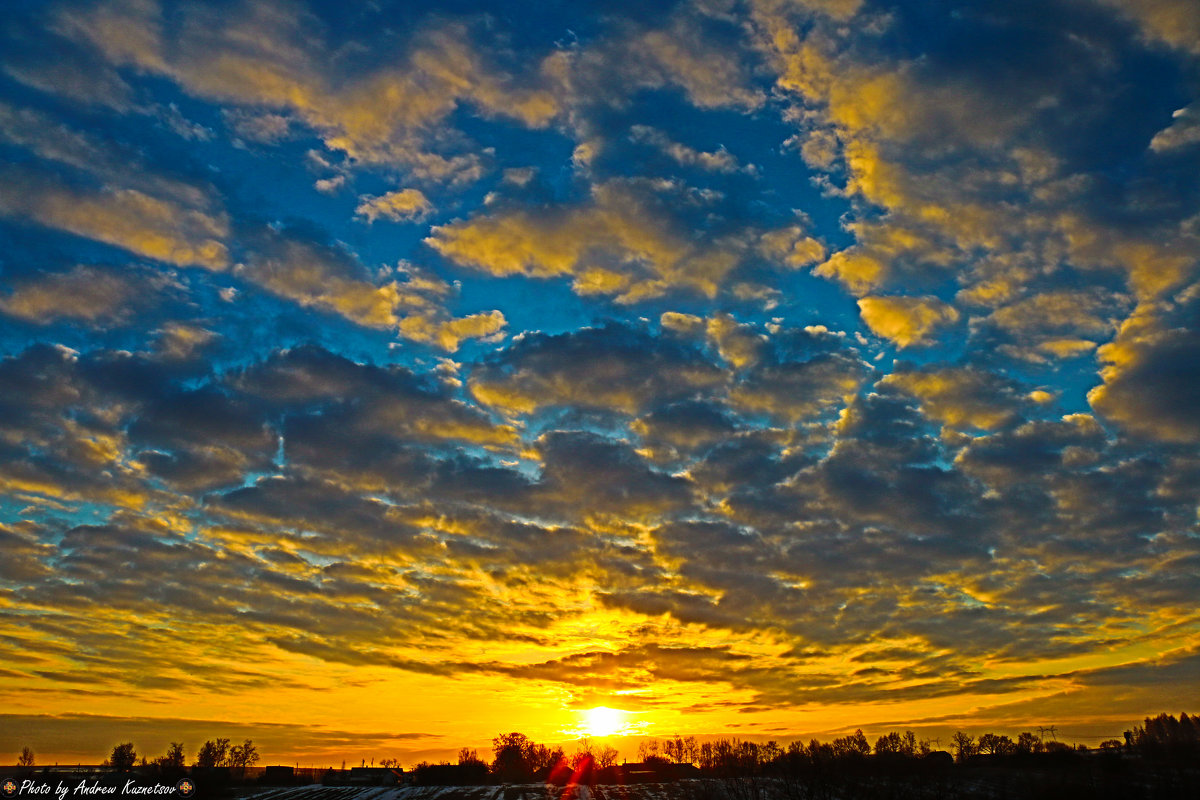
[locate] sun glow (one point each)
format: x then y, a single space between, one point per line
603 721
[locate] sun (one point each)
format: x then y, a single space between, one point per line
603 721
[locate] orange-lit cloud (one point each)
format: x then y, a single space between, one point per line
960 397
398 206
1148 377
259 56
906 321
618 245
139 223
85 293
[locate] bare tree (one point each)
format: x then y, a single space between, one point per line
607 757
648 749
964 746
583 755
1028 743
243 755
26 758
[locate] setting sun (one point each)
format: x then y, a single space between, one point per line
602 721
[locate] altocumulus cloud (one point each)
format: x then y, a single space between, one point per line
767 357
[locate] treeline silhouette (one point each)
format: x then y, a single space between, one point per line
1157 759
1166 738
518 759
214 753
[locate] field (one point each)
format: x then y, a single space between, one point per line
1080 783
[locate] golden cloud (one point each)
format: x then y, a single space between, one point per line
615 245
792 246
1172 22
737 343
960 396
404 205
147 226
680 322
90 294
1154 263
308 281
449 334
1150 377
264 55
907 321
712 77
330 279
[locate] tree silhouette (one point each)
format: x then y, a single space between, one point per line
648 749
852 746
607 756
681 750
468 756
213 754
519 759
174 757
994 745
964 746
26 758
1027 743
123 757
243 755
509 763
896 744
1165 736
583 755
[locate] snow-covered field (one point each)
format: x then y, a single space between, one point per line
680 790
533 791
507 792
1076 784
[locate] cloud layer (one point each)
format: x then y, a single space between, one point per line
812 361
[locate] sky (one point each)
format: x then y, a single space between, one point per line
377 378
